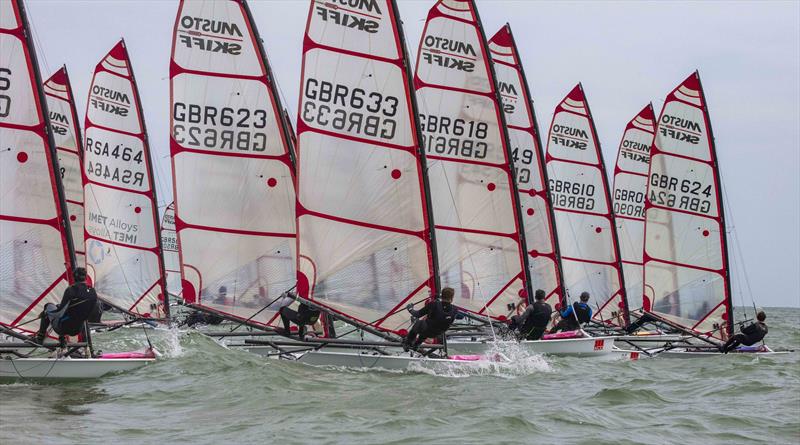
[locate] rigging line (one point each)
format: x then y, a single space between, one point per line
736 240
41 54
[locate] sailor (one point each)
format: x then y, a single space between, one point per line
440 314
574 316
533 322
69 316
304 315
222 296
198 317
750 335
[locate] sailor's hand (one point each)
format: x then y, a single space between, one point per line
410 308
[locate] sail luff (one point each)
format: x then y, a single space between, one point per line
541 245
38 257
685 253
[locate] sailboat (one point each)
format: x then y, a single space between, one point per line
123 240
534 200
365 238
35 234
232 165
686 272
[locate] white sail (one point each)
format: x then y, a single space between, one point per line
685 255
69 148
585 225
630 186
475 209
233 173
123 243
364 244
35 263
528 155
170 249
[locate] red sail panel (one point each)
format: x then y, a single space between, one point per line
34 250
169 246
123 243
233 174
69 148
685 256
364 247
478 239
528 155
587 236
630 186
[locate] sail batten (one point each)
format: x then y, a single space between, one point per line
587 235
35 239
531 176
364 238
685 251
630 187
233 171
480 244
122 237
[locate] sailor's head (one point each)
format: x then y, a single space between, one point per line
761 316
79 274
223 290
539 295
447 294
585 297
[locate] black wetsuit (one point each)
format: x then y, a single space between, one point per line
750 335
440 316
533 322
198 317
69 316
579 310
304 315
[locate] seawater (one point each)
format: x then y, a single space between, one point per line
200 392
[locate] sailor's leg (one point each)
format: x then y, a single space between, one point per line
732 343
536 333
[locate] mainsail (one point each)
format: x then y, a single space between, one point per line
123 243
528 155
587 234
231 163
473 194
35 246
363 232
69 149
685 253
630 185
169 246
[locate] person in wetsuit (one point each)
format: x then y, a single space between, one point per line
439 315
304 315
198 317
69 316
750 335
574 316
532 323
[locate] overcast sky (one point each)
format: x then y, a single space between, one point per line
625 54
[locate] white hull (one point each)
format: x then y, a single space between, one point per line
576 347
648 341
67 368
686 353
372 360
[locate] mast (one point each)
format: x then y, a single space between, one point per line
426 186
67 233
614 238
526 269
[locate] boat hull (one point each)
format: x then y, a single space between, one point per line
573 347
67 368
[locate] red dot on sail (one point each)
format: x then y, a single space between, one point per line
706 233
530 212
137 210
534 253
22 157
396 174
598 229
532 192
272 182
72 217
491 186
